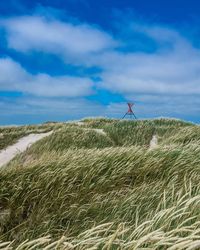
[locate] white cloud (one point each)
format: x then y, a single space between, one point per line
172 72
53 36
45 85
11 74
13 77
157 73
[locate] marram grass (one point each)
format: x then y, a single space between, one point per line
170 227
81 189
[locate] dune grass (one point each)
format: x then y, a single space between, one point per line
10 135
81 189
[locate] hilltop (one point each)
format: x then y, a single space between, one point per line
97 184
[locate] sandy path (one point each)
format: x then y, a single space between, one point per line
153 142
99 131
10 152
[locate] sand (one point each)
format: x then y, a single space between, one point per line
153 142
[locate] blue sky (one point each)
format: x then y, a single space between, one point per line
68 59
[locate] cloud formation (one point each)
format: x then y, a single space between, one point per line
53 36
158 79
160 72
174 70
13 77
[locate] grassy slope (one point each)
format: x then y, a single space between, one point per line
125 195
10 135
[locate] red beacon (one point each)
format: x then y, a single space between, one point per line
130 111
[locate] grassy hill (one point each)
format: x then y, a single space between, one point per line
97 185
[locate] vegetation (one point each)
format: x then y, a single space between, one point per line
97 185
10 135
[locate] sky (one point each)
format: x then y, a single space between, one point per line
69 59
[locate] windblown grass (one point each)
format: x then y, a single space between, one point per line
80 189
10 135
72 137
140 132
186 135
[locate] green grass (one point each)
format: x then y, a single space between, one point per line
81 189
10 135
73 137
